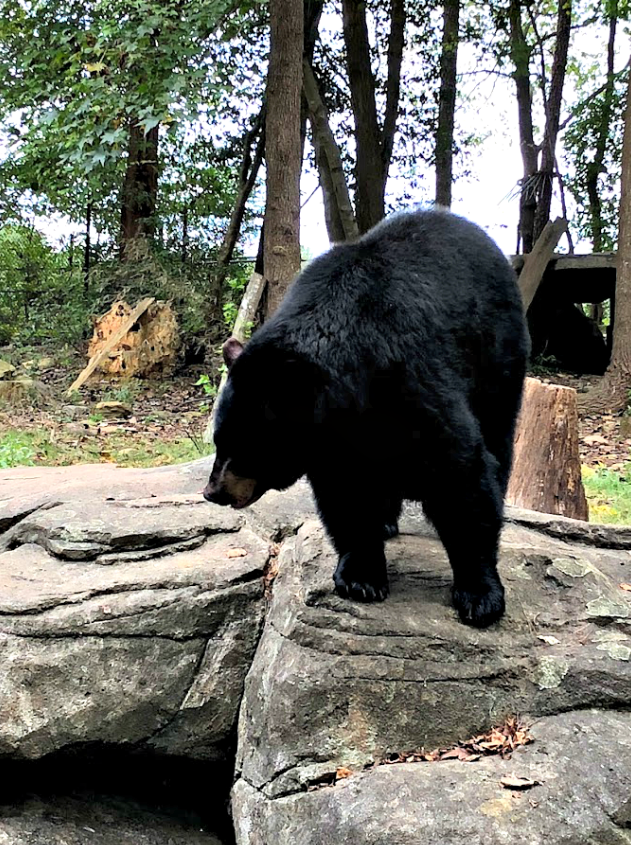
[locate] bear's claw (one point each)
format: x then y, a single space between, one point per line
355 582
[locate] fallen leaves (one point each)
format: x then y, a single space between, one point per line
231 553
626 587
500 741
516 782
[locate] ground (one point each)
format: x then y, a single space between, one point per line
163 419
160 420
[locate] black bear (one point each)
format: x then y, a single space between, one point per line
392 370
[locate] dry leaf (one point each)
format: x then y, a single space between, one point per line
236 553
626 587
552 640
342 772
515 782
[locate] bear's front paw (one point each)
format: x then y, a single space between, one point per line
480 605
355 578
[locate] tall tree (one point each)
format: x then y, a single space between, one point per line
283 149
552 103
373 143
538 176
447 102
613 391
520 52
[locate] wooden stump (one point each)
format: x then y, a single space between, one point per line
546 474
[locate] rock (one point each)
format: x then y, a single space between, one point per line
132 617
347 684
581 761
113 410
6 369
94 821
23 389
124 620
45 363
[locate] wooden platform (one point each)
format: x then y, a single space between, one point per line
579 278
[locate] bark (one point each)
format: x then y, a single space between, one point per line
447 103
87 246
553 114
248 173
369 167
596 166
282 149
140 188
396 43
520 56
612 393
546 475
338 209
184 250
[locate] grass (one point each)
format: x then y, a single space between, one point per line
46 447
608 494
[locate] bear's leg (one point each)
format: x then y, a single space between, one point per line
463 501
496 412
355 519
392 514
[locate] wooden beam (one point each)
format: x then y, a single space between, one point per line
245 315
536 262
115 338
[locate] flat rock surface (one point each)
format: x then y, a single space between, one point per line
581 763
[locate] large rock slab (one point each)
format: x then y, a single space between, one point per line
128 614
581 761
336 683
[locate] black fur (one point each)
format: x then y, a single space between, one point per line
392 370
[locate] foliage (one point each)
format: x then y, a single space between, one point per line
15 450
41 291
608 494
581 140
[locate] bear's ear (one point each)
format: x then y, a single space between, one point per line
232 348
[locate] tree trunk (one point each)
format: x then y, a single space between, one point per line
247 178
396 44
338 210
595 167
553 114
447 103
612 394
87 246
140 188
546 474
282 149
369 169
520 56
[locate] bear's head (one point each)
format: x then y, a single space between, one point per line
261 424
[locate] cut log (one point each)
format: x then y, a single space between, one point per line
546 474
114 338
535 262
